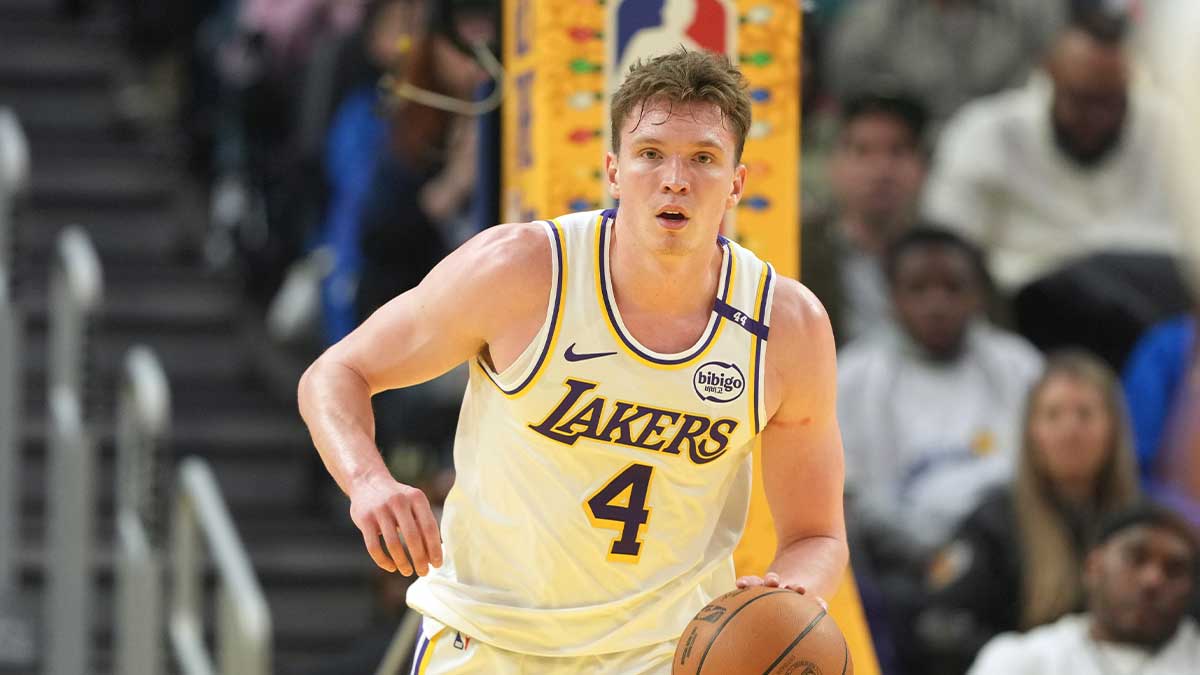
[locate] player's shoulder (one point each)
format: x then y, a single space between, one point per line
796 313
511 264
800 328
527 243
510 245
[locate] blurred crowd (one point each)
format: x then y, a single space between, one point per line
984 217
346 147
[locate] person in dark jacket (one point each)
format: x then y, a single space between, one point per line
1015 562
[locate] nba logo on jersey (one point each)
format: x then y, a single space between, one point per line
644 28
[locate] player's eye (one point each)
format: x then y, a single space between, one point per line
651 154
704 158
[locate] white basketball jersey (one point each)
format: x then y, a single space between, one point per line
602 486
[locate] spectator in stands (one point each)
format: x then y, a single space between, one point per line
946 52
876 173
1140 577
1015 562
1061 182
929 411
356 144
420 192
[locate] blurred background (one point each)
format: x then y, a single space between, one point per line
197 197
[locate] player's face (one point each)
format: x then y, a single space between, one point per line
1071 430
1140 584
935 294
675 176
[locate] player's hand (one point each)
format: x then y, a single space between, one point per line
772 581
383 507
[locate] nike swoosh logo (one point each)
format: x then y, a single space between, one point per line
572 355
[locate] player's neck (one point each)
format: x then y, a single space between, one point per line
645 281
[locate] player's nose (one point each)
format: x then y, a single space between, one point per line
674 178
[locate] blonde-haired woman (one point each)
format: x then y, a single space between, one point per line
1015 563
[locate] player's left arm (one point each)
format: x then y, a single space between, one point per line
802 460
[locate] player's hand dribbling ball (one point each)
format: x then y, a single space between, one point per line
764 631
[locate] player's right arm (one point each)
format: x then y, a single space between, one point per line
490 294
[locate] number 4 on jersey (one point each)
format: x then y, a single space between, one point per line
621 505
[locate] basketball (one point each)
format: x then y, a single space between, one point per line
764 631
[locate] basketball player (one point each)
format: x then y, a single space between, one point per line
622 362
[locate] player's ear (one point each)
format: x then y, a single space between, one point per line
739 184
610 171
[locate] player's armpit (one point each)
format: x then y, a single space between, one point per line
494 287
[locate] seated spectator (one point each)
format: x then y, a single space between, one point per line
1061 182
356 144
1153 380
1140 577
419 194
929 412
876 172
945 52
1015 562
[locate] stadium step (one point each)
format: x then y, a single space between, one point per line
66 62
233 397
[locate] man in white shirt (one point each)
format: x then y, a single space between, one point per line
1062 183
1140 577
929 411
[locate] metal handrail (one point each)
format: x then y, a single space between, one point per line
70 509
243 619
76 290
6 230
143 422
14 177
10 449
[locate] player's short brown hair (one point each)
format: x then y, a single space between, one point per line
684 77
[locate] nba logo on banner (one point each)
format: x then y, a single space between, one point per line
640 29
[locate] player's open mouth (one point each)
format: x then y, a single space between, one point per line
672 218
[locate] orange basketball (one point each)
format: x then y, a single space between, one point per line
762 631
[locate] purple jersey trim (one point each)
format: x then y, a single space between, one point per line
555 317
416 667
759 341
735 315
605 230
